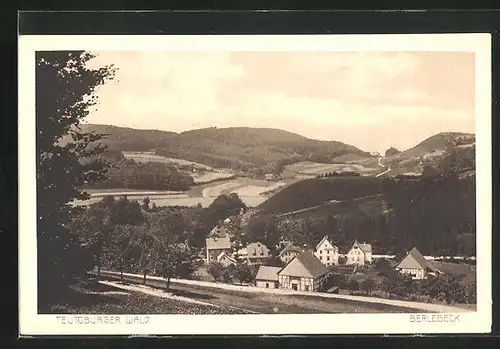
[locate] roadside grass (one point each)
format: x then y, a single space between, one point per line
104 299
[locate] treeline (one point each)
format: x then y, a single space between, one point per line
436 214
126 173
339 174
391 284
129 236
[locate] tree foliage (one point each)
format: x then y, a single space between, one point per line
65 88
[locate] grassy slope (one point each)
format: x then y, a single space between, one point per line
436 142
409 161
109 300
312 192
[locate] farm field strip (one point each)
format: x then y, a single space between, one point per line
319 168
148 157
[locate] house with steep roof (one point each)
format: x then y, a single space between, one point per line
303 273
359 254
220 230
415 265
326 252
257 253
289 252
226 259
267 277
215 245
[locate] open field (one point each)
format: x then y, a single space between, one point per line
457 270
210 176
152 157
95 298
315 168
201 173
249 190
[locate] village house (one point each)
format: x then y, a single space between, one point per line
359 254
303 273
257 253
267 277
415 265
226 259
289 252
326 252
217 242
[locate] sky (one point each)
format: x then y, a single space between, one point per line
372 100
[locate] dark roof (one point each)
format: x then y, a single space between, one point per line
290 248
312 264
417 257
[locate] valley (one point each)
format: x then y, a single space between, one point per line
273 161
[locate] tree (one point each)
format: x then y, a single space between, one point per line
391 151
121 248
145 203
274 261
175 260
215 269
243 273
64 94
367 286
353 286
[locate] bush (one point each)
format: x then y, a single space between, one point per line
353 286
367 286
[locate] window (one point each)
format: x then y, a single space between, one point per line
294 287
267 285
328 251
307 287
320 251
320 258
261 253
327 258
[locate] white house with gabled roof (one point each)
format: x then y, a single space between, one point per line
326 252
359 254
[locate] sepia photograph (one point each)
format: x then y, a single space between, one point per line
314 181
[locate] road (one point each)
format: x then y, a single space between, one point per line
269 303
387 168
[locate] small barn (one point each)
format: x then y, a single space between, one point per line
415 265
267 277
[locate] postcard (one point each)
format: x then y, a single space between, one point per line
255 184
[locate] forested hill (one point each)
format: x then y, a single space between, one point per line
238 147
439 142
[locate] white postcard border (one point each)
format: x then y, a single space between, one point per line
31 323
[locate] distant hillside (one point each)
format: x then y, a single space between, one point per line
431 152
438 142
238 148
128 139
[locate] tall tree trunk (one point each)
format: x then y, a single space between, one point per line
144 279
168 283
99 265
